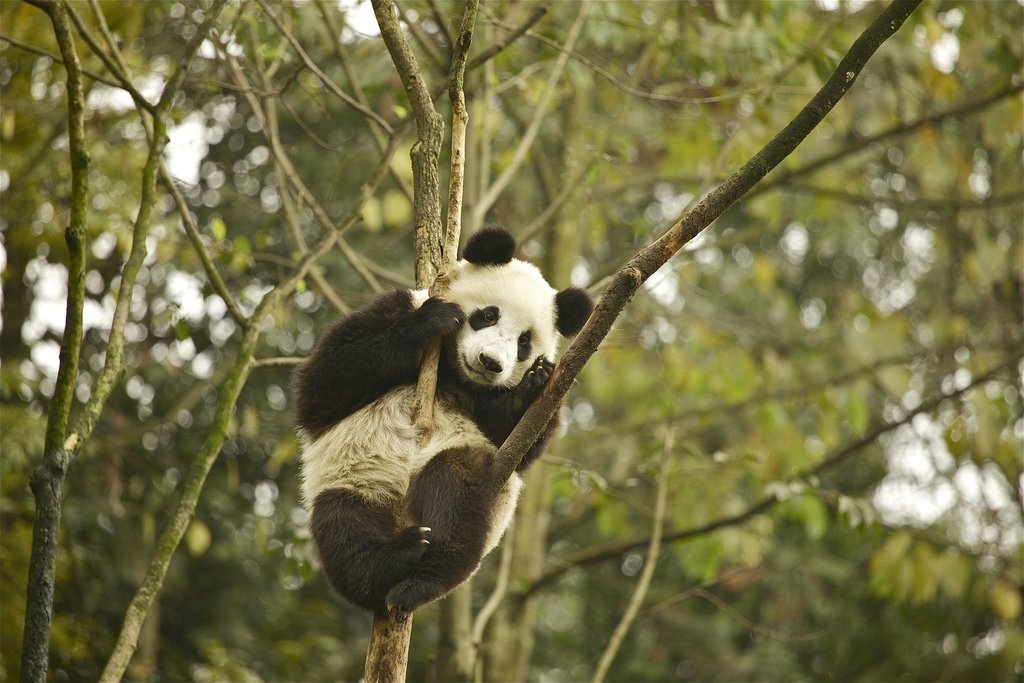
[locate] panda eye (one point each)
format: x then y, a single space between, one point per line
484 317
525 345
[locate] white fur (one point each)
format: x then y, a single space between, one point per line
375 452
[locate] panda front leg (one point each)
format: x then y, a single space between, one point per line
362 548
455 496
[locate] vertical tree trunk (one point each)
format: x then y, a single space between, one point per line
47 482
455 655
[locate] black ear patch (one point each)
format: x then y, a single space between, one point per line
573 307
490 247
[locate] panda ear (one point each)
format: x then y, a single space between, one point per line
573 307
490 246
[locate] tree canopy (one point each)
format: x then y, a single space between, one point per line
796 455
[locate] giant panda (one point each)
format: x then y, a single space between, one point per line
398 524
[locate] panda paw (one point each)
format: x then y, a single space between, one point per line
532 383
408 596
408 546
438 318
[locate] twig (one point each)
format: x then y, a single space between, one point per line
311 65
839 455
967 107
268 117
502 181
58 59
293 179
650 564
188 223
514 34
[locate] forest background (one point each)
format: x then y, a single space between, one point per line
816 405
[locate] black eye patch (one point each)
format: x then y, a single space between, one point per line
525 344
484 317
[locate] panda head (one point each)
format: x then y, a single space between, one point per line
512 314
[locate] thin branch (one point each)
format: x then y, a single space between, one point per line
747 623
624 87
324 78
526 142
968 107
125 82
483 617
188 223
650 564
948 204
292 176
616 548
281 361
352 75
268 117
514 34
58 59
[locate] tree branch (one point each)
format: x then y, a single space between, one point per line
188 224
969 107
628 279
617 548
514 34
427 149
311 65
502 181
228 396
650 564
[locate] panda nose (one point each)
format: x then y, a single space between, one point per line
489 363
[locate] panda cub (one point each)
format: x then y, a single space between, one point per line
398 524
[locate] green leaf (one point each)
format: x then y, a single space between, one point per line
198 538
219 228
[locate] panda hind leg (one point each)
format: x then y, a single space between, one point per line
454 496
361 555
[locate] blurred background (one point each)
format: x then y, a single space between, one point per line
827 380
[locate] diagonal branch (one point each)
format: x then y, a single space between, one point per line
628 280
968 107
490 196
324 78
188 223
845 452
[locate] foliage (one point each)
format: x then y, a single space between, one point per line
838 356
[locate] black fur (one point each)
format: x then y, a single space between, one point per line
365 355
490 247
573 307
